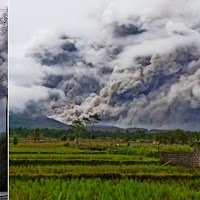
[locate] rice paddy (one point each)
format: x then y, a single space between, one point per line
98 171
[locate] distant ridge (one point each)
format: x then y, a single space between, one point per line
22 120
105 128
26 121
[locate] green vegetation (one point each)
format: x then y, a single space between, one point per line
96 147
36 134
98 189
92 156
98 169
15 140
81 130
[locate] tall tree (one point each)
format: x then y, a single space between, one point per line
36 135
78 125
87 121
95 118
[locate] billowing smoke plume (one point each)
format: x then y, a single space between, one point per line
143 68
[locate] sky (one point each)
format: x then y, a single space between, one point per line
3 68
3 3
64 16
57 16
136 63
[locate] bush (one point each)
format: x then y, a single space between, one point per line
15 140
71 137
67 145
64 138
3 138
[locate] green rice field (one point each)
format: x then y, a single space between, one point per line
98 171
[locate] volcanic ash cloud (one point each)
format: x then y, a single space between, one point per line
143 69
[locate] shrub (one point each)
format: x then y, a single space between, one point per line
67 145
15 140
64 138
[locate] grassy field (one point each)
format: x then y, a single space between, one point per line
98 170
86 189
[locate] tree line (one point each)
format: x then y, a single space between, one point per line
78 131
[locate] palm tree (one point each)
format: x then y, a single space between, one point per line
36 135
77 124
95 118
87 121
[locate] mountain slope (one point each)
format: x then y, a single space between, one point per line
35 121
17 121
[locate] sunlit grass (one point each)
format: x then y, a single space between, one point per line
41 171
97 189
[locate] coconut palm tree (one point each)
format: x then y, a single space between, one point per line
36 135
95 118
77 124
87 121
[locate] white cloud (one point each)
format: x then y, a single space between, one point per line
20 96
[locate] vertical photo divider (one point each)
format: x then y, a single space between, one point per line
4 128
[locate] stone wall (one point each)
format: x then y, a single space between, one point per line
187 159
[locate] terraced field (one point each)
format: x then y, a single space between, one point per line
100 171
